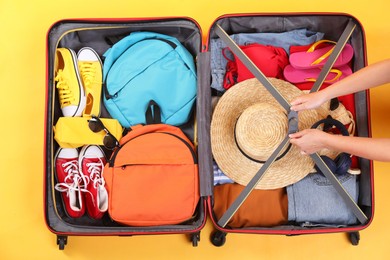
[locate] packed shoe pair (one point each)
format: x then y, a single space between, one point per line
80 181
79 81
306 66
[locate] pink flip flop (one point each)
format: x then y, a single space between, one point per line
314 57
294 75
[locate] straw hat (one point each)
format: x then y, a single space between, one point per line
248 124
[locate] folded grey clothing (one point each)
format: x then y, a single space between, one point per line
314 201
284 40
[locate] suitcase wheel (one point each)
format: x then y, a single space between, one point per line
354 237
195 238
218 238
62 241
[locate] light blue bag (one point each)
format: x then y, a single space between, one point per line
147 66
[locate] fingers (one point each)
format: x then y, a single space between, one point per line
296 135
297 107
295 140
297 101
298 104
308 140
307 101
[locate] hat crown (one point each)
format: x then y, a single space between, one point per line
260 129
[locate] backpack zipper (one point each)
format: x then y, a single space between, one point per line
195 160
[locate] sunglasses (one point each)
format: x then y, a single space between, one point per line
96 125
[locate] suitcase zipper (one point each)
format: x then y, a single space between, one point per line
112 27
123 167
195 160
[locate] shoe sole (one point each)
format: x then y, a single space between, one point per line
82 100
101 65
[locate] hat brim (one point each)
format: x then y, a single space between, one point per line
292 167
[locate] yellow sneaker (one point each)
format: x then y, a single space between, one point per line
90 67
70 89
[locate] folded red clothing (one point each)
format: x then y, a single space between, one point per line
269 59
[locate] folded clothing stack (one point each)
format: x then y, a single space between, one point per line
282 40
312 201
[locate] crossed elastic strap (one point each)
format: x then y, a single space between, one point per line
293 122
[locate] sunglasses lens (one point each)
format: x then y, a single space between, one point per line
95 125
109 141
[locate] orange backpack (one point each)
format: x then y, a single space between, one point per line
152 178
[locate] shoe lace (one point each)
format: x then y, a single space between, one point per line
65 94
95 170
87 72
73 180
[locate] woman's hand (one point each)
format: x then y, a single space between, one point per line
308 101
309 140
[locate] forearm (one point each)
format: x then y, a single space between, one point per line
371 76
377 149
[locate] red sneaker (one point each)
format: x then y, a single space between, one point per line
70 182
91 164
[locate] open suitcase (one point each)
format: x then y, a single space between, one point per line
79 33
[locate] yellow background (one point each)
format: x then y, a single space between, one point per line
23 231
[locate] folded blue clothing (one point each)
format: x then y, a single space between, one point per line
313 201
219 176
284 40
